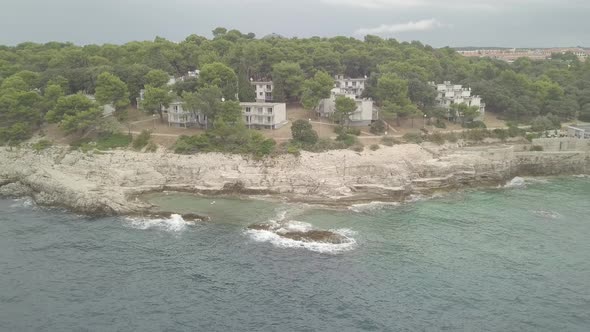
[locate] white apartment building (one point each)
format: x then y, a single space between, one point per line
449 94
179 117
354 86
579 131
263 90
256 115
363 116
264 115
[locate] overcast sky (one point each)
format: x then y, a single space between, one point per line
511 23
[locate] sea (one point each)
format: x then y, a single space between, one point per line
512 258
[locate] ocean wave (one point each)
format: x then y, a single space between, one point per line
25 202
517 182
284 233
582 176
547 214
372 206
173 224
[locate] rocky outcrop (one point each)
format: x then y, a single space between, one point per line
108 183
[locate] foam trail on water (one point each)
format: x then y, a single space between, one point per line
517 182
278 227
372 206
173 224
25 202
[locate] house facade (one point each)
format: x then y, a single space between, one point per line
263 90
363 116
179 117
255 115
264 115
579 131
449 94
353 86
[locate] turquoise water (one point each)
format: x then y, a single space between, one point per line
513 259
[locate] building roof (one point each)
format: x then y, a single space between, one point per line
253 103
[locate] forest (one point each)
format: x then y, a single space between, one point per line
42 83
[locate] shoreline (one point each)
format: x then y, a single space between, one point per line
112 183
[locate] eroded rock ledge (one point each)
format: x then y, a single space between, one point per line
108 183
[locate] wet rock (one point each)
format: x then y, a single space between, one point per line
315 236
261 227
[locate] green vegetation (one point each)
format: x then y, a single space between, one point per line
389 141
104 141
227 138
413 138
142 140
374 147
42 145
303 133
40 82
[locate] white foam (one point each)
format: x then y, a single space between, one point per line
173 224
517 182
547 214
372 206
279 226
282 242
582 176
25 202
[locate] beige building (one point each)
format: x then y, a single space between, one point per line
264 115
449 94
363 116
353 86
263 90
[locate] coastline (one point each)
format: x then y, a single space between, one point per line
111 183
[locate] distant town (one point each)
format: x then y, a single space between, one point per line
511 54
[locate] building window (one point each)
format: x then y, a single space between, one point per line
259 110
261 93
353 83
247 109
268 119
270 110
268 87
176 108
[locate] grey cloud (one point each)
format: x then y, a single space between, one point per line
510 23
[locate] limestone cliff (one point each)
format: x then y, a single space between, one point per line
106 183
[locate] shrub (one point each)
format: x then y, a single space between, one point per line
358 147
41 145
500 133
151 147
107 140
475 134
536 148
374 147
474 124
303 132
353 131
141 140
531 136
377 127
347 139
451 137
437 138
18 132
413 138
440 124
294 150
389 141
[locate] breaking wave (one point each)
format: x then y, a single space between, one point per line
517 182
547 214
283 233
25 202
173 224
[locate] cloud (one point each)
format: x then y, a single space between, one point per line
385 29
376 4
448 4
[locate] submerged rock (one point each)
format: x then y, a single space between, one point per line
315 236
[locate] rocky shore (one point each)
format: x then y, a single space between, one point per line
108 183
